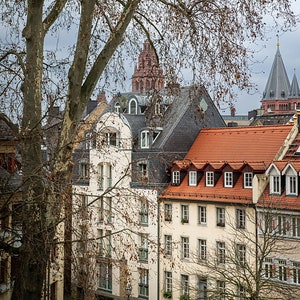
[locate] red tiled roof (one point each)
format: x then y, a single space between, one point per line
255 146
239 143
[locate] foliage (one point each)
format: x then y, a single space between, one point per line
168 294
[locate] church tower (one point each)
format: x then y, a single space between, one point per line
147 74
280 97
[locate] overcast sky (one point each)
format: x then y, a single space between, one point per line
266 50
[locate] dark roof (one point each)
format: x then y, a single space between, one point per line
278 85
272 119
294 91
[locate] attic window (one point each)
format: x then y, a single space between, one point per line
145 139
117 107
209 178
175 177
275 184
133 107
192 178
228 179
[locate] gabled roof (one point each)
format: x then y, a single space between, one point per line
278 85
259 143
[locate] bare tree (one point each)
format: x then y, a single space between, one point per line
210 39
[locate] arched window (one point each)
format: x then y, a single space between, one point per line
117 107
133 107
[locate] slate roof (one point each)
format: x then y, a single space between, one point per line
273 119
278 84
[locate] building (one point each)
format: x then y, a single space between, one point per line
209 223
280 96
116 189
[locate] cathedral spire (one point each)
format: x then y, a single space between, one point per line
278 85
294 91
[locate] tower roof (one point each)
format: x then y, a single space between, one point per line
294 91
278 85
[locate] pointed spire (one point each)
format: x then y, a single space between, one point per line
294 91
278 85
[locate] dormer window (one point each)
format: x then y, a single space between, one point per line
248 176
133 107
117 107
209 179
145 139
228 179
291 185
192 178
275 184
175 177
110 137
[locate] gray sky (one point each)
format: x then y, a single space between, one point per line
290 52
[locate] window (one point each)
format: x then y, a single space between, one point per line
296 226
209 178
201 214
108 243
220 252
84 170
100 176
240 218
117 107
220 216
248 176
184 214
291 185
296 272
168 212
109 210
228 181
269 223
105 276
282 270
221 289
270 271
144 212
109 175
105 245
202 285
144 283
168 281
101 209
84 206
145 139
133 107
101 243
192 178
240 255
175 177
282 225
168 244
86 140
111 139
202 250
184 284
143 248
143 171
241 292
185 251
275 184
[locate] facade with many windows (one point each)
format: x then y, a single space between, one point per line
213 212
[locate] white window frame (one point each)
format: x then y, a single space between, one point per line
143 171
221 252
241 255
275 184
145 139
185 247
168 244
184 213
184 284
209 178
192 178
144 283
221 219
143 253
202 215
295 226
202 249
132 110
221 288
248 178
144 212
228 179
176 177
117 107
168 212
291 185
240 218
168 281
296 272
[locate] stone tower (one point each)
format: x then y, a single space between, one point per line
147 74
